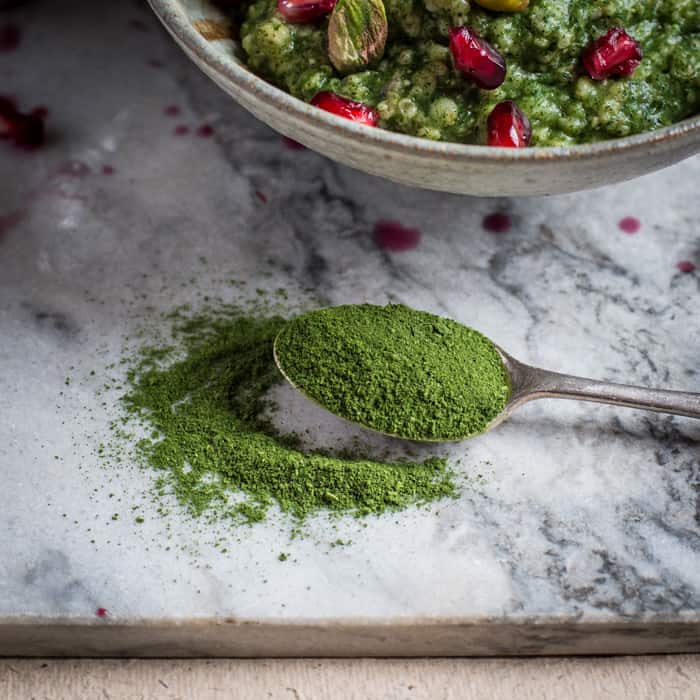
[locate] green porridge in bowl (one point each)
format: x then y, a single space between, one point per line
543 73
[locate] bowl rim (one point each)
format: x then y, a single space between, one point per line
175 19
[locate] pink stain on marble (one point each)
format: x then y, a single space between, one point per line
686 266
181 130
171 111
630 225
205 131
108 170
393 236
102 612
498 222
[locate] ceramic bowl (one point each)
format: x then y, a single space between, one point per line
205 35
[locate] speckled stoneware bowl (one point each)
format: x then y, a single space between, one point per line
204 34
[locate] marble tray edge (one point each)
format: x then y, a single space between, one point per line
228 637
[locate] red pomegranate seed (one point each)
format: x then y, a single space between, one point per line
498 222
355 111
613 54
304 11
508 126
28 131
25 130
476 58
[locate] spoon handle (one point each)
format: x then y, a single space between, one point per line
534 383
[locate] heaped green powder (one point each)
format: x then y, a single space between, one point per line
201 402
396 370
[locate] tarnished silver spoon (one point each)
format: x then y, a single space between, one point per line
528 383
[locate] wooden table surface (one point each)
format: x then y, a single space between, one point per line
657 677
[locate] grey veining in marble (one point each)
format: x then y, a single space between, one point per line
581 512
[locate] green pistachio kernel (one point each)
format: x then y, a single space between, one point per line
357 32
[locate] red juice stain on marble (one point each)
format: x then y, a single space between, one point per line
10 37
498 222
262 197
630 225
181 130
293 145
108 170
205 131
74 168
686 266
9 221
171 111
392 235
102 612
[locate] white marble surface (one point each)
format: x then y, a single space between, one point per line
581 511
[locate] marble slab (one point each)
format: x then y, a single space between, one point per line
578 529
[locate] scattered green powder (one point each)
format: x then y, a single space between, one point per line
396 370
201 400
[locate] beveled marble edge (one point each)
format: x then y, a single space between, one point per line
228 637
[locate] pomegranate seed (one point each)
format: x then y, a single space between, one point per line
508 126
304 11
498 222
614 54
28 131
25 130
476 58
355 111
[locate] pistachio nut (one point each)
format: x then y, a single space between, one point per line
357 32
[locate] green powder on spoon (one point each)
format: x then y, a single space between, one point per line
396 370
201 399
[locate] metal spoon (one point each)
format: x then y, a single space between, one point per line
528 383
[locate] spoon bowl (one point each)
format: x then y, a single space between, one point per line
527 383
205 35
